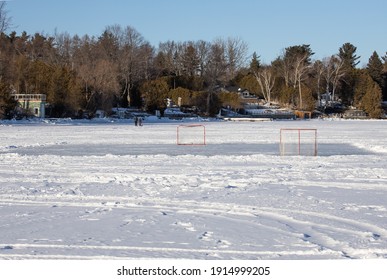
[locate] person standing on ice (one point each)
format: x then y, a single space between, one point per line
136 121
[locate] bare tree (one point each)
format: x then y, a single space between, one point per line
170 51
104 77
266 80
215 69
84 64
318 69
283 66
5 20
190 59
133 60
300 70
236 51
339 74
293 65
203 49
147 53
334 73
64 48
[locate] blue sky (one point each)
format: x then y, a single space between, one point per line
266 26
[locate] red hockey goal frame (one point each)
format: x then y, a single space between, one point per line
197 140
300 141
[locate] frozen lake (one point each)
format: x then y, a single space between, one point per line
96 190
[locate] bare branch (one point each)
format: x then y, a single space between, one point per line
266 80
5 20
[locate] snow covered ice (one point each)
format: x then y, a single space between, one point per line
107 190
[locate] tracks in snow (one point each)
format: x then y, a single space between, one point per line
322 234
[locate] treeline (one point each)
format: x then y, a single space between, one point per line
120 68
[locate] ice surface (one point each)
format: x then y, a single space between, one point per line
96 190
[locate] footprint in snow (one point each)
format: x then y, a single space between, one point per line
206 236
223 243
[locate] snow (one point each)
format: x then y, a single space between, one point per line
106 189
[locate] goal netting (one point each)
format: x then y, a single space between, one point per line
193 134
298 141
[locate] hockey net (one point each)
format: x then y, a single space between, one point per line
298 141
193 134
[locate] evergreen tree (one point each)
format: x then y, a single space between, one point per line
154 94
62 93
7 104
293 52
348 54
368 95
180 93
92 73
372 101
384 78
375 68
255 63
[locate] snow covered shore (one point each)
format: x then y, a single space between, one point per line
97 190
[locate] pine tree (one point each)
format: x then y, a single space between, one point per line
375 68
348 54
255 63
